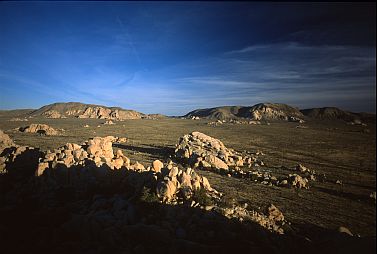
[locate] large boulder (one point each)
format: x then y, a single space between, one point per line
5 141
42 129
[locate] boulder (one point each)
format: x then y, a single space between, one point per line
40 129
5 141
344 230
101 147
157 166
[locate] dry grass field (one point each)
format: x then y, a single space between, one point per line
340 151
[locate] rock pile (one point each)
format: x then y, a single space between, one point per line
266 178
273 220
234 121
42 129
76 206
195 118
172 184
109 122
18 119
295 119
200 150
166 181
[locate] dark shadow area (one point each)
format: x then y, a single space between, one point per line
348 195
22 162
98 210
157 151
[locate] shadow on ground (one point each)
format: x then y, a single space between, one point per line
155 151
98 210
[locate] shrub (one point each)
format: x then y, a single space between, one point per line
148 196
202 198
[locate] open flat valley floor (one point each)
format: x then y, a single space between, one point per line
340 151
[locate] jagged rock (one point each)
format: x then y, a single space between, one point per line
100 112
206 184
121 140
344 230
274 213
42 166
173 172
298 182
126 161
53 114
117 163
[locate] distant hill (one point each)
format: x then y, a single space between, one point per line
262 111
222 113
16 112
333 113
156 116
81 110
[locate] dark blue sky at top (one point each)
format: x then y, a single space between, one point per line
173 57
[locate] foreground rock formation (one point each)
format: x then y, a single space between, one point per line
90 198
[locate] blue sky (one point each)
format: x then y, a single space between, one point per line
173 57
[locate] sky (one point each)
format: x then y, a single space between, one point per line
174 57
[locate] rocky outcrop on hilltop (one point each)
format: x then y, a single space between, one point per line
107 113
273 111
42 129
53 114
80 110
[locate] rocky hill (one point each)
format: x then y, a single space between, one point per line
80 110
262 111
333 113
222 113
